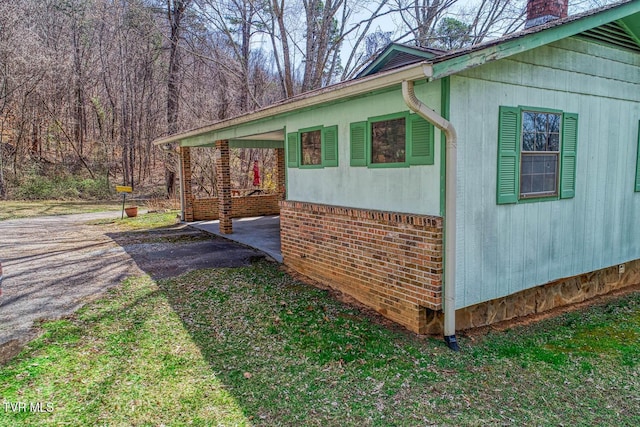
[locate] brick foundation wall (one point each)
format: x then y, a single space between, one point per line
391 262
544 298
258 205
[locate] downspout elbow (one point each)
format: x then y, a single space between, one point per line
449 280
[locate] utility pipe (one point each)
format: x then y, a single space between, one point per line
449 280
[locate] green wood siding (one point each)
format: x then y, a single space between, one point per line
292 149
507 248
330 146
421 141
414 189
508 144
569 150
638 162
358 143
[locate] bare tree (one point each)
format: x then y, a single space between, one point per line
176 11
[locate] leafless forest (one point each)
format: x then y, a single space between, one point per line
87 85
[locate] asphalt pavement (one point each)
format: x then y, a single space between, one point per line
54 265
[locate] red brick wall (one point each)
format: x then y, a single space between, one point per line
391 262
207 209
255 205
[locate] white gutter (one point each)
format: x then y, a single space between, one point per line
449 279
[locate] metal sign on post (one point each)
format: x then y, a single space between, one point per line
124 190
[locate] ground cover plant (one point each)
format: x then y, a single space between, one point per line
253 346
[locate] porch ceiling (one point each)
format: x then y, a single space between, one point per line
273 139
267 139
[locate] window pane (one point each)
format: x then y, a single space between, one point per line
528 141
539 174
388 141
554 123
541 142
311 147
540 131
541 123
554 142
527 122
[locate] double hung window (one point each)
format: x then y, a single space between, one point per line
536 154
395 140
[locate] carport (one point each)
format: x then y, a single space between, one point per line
262 233
222 137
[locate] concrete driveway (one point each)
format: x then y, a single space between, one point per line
54 265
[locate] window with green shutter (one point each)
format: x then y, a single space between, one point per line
313 148
536 154
394 140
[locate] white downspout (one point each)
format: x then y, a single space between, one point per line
449 279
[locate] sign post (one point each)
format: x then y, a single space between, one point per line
124 190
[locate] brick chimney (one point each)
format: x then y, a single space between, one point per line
542 11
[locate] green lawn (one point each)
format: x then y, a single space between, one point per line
12 209
252 346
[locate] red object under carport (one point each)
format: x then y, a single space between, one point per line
256 174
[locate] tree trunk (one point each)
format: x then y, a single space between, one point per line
175 12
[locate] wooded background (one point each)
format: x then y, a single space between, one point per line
87 85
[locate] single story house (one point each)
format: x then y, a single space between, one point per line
448 190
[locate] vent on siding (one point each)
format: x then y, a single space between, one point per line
612 34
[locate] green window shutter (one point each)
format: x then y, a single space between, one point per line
292 149
421 139
358 133
569 149
508 147
638 162
330 146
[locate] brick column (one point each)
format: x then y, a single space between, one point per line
280 171
223 172
185 158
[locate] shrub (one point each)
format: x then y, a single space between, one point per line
36 187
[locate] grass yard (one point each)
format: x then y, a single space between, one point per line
13 209
252 346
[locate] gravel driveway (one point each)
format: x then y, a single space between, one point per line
54 265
